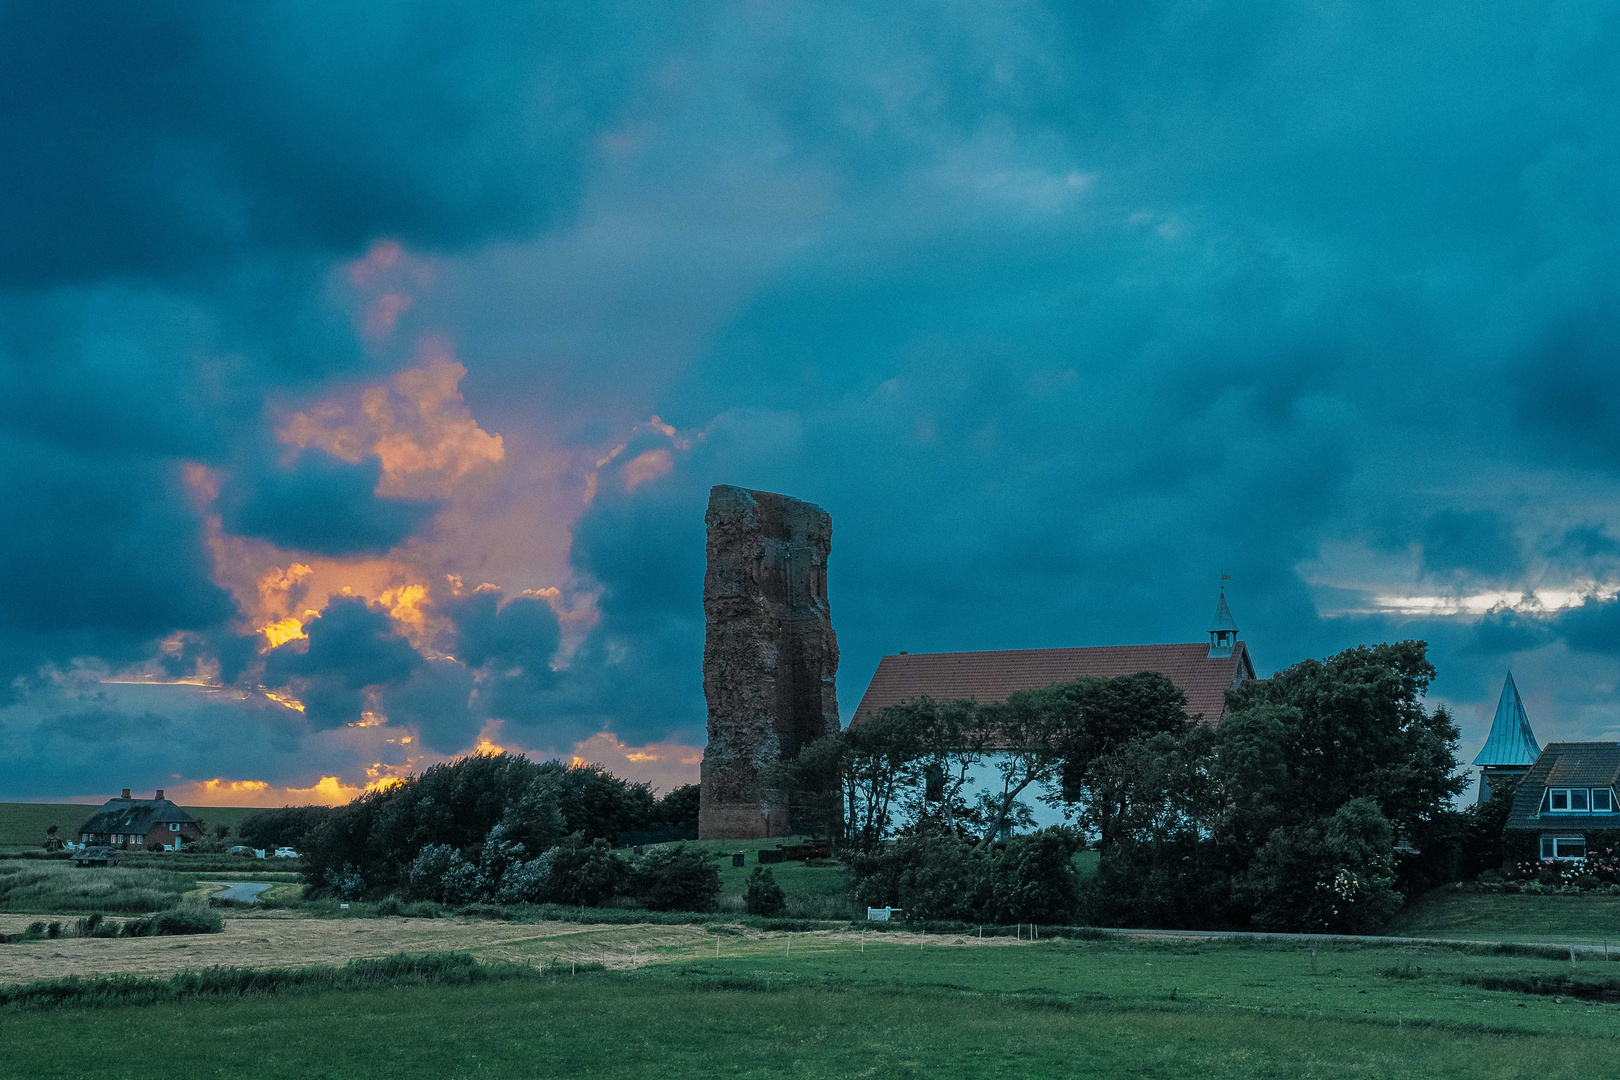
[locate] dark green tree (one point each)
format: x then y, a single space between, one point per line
678 807
762 895
674 879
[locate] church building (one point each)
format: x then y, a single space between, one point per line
1204 671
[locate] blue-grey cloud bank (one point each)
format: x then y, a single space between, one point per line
364 367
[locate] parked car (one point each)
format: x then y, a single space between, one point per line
286 853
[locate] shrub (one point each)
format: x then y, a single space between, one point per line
184 920
586 875
929 874
674 879
1335 876
1033 879
430 969
763 896
425 880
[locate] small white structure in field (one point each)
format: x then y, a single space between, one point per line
882 914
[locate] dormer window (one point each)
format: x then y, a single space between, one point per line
1579 801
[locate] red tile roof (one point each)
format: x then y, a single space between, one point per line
988 677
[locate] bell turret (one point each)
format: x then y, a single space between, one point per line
1223 630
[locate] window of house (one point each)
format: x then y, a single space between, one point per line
139 839
1558 799
1602 800
1577 800
1563 848
174 826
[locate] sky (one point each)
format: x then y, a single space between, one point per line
364 367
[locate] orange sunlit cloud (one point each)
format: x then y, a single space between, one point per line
282 631
327 791
417 425
663 765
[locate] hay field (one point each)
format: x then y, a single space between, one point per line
288 939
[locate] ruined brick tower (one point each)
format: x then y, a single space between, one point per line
769 654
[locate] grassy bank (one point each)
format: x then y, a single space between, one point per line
1058 1008
1448 912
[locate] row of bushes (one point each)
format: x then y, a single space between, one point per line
937 875
572 873
517 808
163 924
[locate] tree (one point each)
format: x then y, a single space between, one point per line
1335 876
679 806
376 839
1028 732
1357 728
287 826
1482 827
762 895
1052 737
674 879
1287 814
873 765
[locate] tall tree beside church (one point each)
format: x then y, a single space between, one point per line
1316 735
1289 812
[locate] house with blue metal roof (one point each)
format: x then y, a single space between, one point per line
1511 748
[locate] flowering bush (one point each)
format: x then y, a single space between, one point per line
1599 872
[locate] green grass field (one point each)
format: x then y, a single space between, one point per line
23 825
1056 1008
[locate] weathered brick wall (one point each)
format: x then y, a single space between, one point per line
770 658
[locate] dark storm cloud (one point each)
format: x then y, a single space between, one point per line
351 646
1119 296
182 180
512 641
1479 541
81 741
98 561
322 505
437 701
1060 310
149 141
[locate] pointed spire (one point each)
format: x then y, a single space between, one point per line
1223 629
1511 742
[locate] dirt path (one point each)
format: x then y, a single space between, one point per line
285 939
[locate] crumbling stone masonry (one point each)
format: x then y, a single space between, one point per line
769 654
